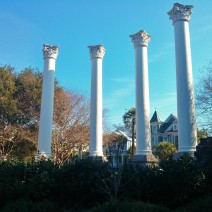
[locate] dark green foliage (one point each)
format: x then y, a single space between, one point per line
203 204
127 206
183 179
11 181
23 205
35 181
172 184
79 183
90 182
206 166
40 180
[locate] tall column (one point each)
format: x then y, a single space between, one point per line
180 16
96 54
143 136
46 115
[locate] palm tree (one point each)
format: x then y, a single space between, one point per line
129 122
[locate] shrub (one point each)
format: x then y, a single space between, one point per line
79 184
204 204
165 150
90 182
23 205
182 181
174 183
129 207
35 181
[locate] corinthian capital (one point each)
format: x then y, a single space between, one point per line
180 12
97 51
50 51
140 38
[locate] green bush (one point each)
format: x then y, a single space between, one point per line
165 150
23 205
182 179
40 180
204 204
89 182
126 206
206 166
79 184
174 183
35 181
11 181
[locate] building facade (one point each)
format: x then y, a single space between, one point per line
164 130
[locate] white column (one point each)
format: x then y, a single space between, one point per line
96 54
143 136
180 15
46 114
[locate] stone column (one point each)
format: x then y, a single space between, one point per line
187 134
143 133
96 54
46 114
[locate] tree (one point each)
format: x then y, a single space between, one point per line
29 88
115 144
165 150
6 141
71 125
20 95
129 122
8 107
201 134
204 99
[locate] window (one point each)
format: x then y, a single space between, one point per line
174 127
154 141
154 129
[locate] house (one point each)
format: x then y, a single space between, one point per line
160 131
164 130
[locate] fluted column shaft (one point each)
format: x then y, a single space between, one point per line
180 15
96 54
46 114
143 136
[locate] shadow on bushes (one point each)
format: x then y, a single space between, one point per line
204 204
129 207
87 183
28 205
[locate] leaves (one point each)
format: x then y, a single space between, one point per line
20 100
165 150
129 120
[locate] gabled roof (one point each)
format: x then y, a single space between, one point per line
167 123
155 118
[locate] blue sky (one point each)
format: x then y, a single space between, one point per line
74 24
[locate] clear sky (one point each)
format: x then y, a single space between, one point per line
25 25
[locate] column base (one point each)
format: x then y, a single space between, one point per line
179 154
144 152
148 159
43 156
99 158
187 149
96 154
